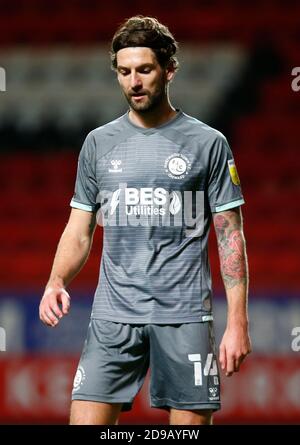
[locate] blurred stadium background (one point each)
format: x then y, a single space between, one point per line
236 62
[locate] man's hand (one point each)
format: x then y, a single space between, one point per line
234 347
50 311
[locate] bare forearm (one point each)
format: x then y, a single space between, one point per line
70 257
233 263
237 301
236 343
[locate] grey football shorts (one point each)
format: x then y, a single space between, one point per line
182 360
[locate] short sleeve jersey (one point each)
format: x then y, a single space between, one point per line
154 191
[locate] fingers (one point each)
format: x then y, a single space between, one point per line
65 301
47 316
238 361
237 364
230 362
222 357
234 348
54 308
230 366
50 312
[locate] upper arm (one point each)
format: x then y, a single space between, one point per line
86 185
81 224
223 188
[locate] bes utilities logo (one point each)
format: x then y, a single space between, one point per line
177 166
152 207
146 201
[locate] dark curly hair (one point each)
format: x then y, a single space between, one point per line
149 32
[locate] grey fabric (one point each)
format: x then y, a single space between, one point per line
155 269
182 359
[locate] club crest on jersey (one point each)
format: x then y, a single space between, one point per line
177 166
116 166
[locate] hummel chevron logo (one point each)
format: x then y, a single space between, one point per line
116 166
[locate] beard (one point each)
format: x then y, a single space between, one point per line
150 101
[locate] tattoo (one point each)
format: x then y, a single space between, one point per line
231 245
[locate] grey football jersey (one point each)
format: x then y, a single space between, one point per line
154 191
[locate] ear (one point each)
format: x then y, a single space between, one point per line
118 77
170 72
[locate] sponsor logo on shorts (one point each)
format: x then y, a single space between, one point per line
79 378
213 391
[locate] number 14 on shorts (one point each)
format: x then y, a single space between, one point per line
210 367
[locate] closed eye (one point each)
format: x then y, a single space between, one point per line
123 72
145 70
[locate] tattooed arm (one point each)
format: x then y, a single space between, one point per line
235 344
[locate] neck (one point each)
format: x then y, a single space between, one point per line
153 118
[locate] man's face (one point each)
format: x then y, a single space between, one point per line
142 79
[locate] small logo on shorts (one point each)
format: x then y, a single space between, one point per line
79 378
213 393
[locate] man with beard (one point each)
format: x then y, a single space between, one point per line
152 307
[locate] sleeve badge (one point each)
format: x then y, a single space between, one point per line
233 172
